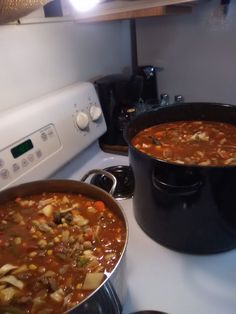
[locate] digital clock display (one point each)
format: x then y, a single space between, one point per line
22 148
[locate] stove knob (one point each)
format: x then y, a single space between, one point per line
82 120
95 112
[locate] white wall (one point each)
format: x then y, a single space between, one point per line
38 58
197 52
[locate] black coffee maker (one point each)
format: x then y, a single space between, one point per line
118 95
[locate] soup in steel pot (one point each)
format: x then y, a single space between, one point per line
56 249
205 143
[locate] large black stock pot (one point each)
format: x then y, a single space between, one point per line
188 208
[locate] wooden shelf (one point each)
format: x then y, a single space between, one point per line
158 11
121 10
114 10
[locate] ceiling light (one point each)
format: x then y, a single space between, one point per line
84 5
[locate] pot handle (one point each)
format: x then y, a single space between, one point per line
103 172
176 190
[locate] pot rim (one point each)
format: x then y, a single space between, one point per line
69 183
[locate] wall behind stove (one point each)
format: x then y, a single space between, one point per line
38 58
197 52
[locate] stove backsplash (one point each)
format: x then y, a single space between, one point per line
196 52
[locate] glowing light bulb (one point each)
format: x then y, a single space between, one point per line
84 5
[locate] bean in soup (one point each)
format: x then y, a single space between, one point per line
205 143
55 249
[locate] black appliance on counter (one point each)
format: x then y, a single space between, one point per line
122 97
150 91
118 95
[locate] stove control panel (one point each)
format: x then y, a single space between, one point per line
44 134
28 153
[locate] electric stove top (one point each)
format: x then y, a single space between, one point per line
159 278
57 137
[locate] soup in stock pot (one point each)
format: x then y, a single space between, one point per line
55 250
205 143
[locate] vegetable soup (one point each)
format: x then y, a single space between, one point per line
55 249
205 143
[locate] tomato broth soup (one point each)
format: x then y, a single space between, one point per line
55 250
204 143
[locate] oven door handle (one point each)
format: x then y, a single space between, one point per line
103 172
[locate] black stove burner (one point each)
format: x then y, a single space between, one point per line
125 181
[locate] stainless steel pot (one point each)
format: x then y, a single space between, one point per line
115 285
188 208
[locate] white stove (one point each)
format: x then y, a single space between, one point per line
65 128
